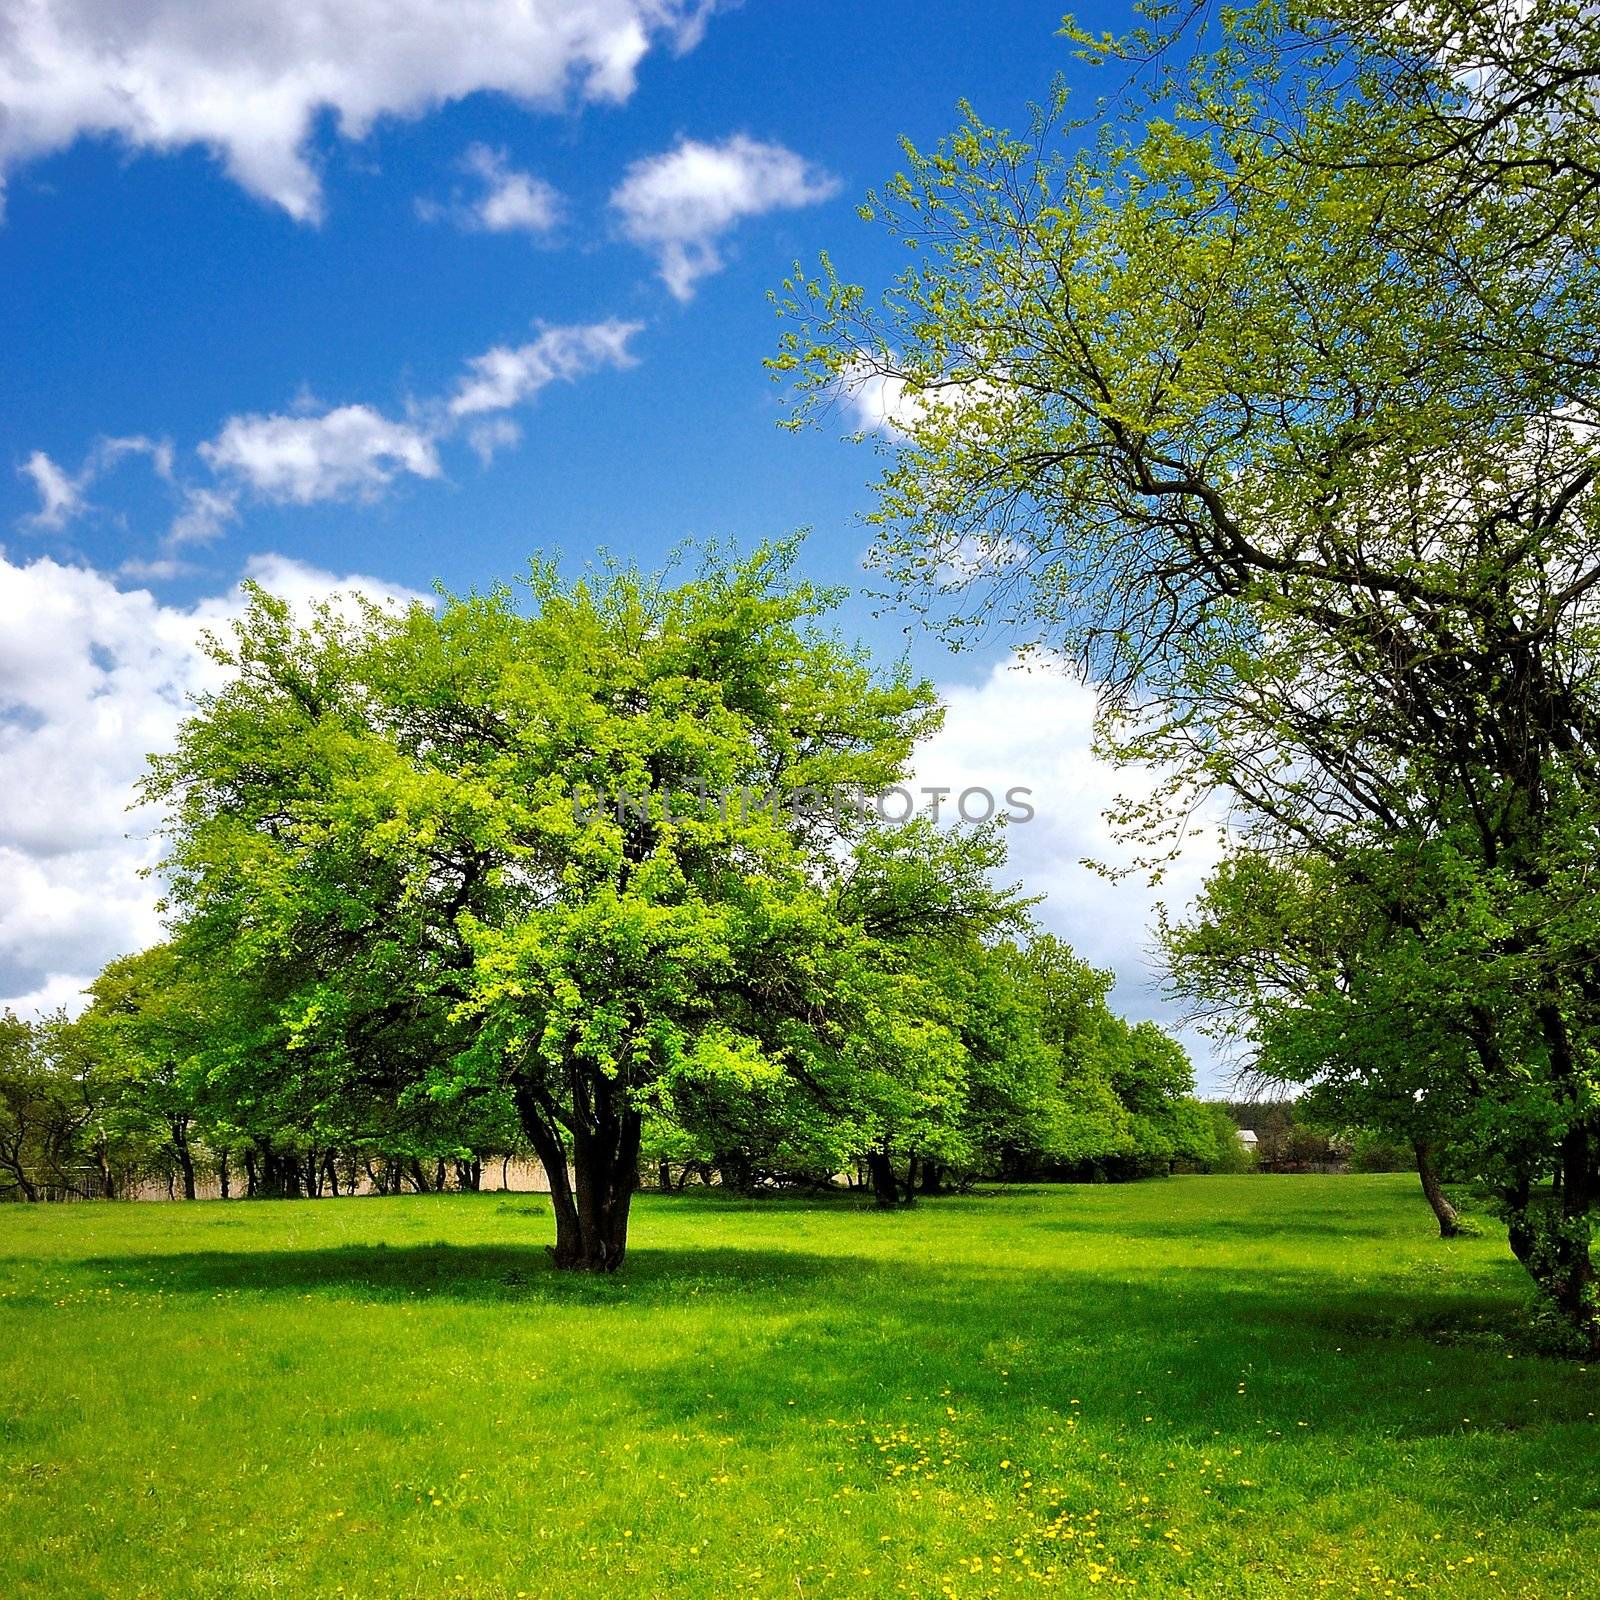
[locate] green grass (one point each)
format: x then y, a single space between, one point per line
1211 1386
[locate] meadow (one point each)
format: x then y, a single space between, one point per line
1205 1386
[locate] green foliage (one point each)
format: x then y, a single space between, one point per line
575 870
1372 1150
561 852
1229 1153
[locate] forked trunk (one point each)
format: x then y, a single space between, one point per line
590 1204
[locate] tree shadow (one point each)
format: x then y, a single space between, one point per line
1318 1359
471 1273
1284 1227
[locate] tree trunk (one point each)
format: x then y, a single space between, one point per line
1554 1248
252 1181
12 1162
591 1208
180 1144
1449 1222
606 1167
280 1176
1551 1235
664 1176
885 1186
737 1172
222 1172
108 1182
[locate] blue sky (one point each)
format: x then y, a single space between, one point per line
307 289
150 295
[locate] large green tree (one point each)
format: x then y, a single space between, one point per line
1271 401
569 843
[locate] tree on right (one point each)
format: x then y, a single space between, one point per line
1269 393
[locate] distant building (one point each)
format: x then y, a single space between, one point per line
1247 1137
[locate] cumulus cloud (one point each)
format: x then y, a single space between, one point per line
92 677
311 454
248 79
348 453
508 201
1033 728
679 204
202 517
507 375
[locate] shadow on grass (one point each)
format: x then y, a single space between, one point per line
746 1340
470 1273
1285 1228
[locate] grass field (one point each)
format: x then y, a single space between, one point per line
1210 1386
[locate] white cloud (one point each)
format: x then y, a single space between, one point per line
879 398
354 452
92 677
507 375
160 570
312 454
1033 728
202 517
64 496
350 452
110 451
679 204
58 992
247 78
492 435
61 495
511 201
